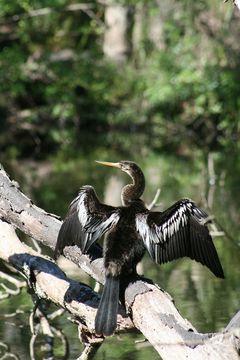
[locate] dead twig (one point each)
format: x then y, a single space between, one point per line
154 202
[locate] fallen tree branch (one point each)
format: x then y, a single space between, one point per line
49 281
152 310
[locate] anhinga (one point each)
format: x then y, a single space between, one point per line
131 228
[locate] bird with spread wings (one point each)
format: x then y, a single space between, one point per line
129 229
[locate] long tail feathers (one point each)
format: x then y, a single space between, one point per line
106 318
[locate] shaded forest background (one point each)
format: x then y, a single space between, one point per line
81 81
63 86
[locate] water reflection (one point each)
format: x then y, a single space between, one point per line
207 302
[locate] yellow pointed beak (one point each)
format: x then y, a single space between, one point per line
112 164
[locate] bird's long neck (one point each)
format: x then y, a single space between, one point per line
135 190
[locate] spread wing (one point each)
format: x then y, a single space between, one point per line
177 232
86 221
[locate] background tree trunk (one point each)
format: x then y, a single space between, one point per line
117 44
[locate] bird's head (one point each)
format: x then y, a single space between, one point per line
130 192
128 167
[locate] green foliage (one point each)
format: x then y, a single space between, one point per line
58 91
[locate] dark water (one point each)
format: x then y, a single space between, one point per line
207 302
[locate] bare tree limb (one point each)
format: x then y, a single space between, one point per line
49 281
152 310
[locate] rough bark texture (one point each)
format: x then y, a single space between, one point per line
49 281
152 310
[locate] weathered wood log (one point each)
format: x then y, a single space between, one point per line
51 283
152 309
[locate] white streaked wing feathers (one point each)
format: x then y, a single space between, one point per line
94 227
177 232
82 209
158 234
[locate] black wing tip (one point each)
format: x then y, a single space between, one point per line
216 268
219 274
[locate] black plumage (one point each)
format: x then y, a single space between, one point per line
130 229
